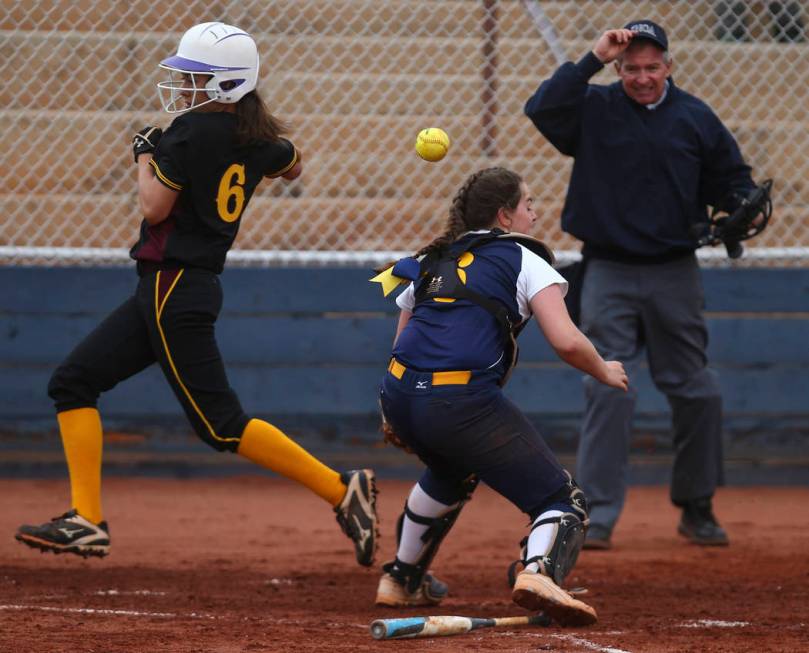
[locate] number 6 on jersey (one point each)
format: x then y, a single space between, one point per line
231 186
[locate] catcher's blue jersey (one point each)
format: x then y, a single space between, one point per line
459 334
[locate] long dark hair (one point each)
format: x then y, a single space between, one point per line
476 204
254 122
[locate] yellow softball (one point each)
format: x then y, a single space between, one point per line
432 144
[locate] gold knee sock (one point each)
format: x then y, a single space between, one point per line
267 446
82 440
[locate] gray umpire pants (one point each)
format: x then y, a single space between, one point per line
626 309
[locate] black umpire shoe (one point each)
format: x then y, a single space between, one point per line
597 538
70 533
356 514
699 525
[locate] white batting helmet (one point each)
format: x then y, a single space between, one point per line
226 53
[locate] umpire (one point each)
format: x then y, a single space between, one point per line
648 159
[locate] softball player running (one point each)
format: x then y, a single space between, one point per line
473 287
194 183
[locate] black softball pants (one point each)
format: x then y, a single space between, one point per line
170 320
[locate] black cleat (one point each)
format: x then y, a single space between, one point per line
70 533
356 514
597 538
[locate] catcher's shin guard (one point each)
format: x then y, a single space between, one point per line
564 550
573 495
571 519
437 528
553 553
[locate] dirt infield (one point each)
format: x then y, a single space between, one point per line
258 564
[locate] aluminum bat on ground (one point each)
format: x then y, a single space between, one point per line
447 625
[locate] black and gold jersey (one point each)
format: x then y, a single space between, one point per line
215 178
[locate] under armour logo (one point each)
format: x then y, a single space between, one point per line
421 385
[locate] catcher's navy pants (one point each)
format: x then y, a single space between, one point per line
169 320
471 428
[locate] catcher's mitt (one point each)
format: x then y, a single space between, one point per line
389 435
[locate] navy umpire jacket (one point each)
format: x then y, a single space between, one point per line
641 177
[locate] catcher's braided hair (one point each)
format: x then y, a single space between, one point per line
476 204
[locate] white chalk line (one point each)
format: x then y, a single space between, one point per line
713 623
109 612
114 592
579 641
165 615
586 643
593 646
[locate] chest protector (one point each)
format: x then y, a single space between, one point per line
440 280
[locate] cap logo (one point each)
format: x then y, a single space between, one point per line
646 29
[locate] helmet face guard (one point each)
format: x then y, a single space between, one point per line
214 63
205 86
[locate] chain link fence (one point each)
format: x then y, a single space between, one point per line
357 79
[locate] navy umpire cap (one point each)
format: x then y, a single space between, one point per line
646 29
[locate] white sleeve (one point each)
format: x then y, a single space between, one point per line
407 299
535 274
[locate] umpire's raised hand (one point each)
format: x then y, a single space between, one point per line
611 44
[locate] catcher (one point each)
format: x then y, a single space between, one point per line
194 183
472 290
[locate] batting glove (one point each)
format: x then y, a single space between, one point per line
146 140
